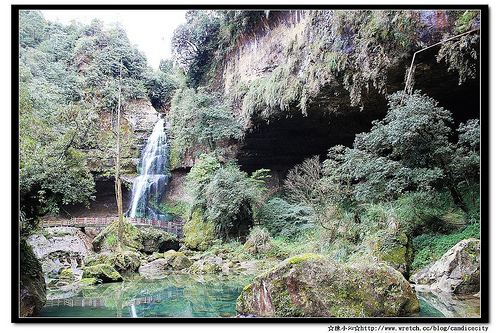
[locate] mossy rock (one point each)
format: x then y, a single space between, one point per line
102 272
107 239
88 282
123 262
32 291
198 234
156 240
310 285
67 274
392 248
207 265
177 260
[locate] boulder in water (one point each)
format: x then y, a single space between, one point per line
156 269
310 285
207 265
458 270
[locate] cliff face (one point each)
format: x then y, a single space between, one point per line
297 99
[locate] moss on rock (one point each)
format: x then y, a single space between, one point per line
156 240
198 234
88 282
310 285
32 285
102 272
177 260
392 248
123 262
107 239
207 265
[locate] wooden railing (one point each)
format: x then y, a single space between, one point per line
174 227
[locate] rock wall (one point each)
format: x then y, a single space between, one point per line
59 248
290 136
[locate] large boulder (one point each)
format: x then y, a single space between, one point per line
207 265
161 267
458 271
156 240
310 285
108 240
156 269
60 248
392 248
123 262
32 291
102 272
177 260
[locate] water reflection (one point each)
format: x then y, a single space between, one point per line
441 304
174 296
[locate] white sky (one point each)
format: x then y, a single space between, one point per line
150 30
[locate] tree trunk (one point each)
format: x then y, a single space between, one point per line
118 182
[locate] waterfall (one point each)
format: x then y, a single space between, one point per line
150 186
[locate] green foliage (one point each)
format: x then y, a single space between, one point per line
161 87
273 95
410 149
224 196
198 118
319 188
284 219
231 197
194 44
430 247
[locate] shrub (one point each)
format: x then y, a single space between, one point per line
284 219
224 196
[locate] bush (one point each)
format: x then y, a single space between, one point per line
284 219
231 196
224 196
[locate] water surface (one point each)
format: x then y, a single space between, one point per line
181 296
174 296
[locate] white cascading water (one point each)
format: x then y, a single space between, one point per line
153 178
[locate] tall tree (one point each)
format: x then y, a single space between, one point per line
118 182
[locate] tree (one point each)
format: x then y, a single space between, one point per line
118 182
224 196
199 118
194 44
409 150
